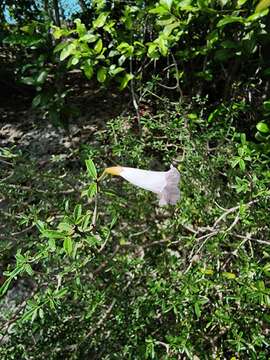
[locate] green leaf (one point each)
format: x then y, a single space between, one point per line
89 38
87 68
28 80
166 3
74 60
197 310
207 271
98 47
240 3
257 15
60 293
266 105
92 172
41 313
68 245
101 74
160 10
229 275
42 77
85 221
5 286
242 164
125 80
229 20
163 45
100 21
51 243
67 51
28 269
52 234
77 212
235 162
80 28
152 51
262 127
36 101
263 4
57 33
92 190
266 269
114 70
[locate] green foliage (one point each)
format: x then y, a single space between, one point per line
106 273
151 282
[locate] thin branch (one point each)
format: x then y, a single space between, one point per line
246 238
134 100
177 79
231 210
6 162
168 87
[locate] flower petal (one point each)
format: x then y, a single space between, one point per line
153 181
170 193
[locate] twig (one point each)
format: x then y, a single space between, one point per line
237 218
231 210
134 101
168 87
105 262
177 79
6 162
7 177
251 239
22 231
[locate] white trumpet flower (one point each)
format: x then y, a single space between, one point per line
162 183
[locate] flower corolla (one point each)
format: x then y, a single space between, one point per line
162 183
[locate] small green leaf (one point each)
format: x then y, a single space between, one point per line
92 190
160 10
80 27
262 127
266 269
242 164
98 47
207 271
229 20
125 80
28 269
85 221
57 33
92 172
101 74
5 286
42 77
68 245
36 101
197 310
229 275
52 245
77 212
87 68
100 21
41 313
263 4
89 38
67 51
266 105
